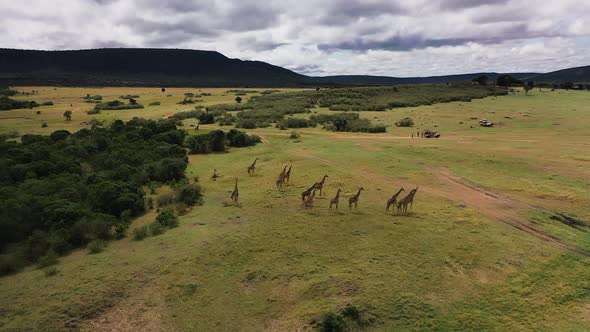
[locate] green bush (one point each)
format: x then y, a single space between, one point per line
141 233
51 271
294 135
117 105
96 246
248 124
9 104
352 312
50 258
296 123
405 122
189 194
11 263
332 322
156 229
167 218
154 103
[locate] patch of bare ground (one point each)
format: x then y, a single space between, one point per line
489 204
141 311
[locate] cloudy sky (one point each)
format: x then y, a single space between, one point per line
329 37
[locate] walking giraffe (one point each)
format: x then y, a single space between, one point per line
355 198
335 200
402 205
393 200
320 185
252 167
235 194
288 175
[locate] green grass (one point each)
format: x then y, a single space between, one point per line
269 264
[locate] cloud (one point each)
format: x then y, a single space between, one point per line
381 37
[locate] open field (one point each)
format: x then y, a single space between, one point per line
479 251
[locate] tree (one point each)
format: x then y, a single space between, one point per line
528 87
217 140
238 99
68 115
59 135
481 80
163 90
506 81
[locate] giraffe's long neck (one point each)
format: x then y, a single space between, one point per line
397 194
357 194
323 180
236 186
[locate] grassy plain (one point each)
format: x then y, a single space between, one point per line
479 251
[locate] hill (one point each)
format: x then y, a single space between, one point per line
574 75
139 67
177 67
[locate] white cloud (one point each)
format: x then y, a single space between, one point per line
379 37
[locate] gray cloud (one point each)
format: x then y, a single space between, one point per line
383 37
463 4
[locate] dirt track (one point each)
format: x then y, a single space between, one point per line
491 205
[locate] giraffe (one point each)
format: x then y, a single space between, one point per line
393 200
252 167
215 175
355 198
280 181
334 201
307 193
288 175
308 203
320 185
235 194
402 205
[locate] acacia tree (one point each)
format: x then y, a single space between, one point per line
526 89
481 80
238 99
68 115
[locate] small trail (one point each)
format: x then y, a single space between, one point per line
263 139
492 205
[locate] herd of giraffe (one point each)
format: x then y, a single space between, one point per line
308 196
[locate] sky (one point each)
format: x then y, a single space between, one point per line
321 37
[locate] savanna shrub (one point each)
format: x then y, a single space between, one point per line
405 122
189 194
156 229
332 322
167 218
96 246
165 199
140 233
51 271
50 258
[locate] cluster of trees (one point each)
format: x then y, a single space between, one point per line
7 103
6 91
117 105
64 190
261 111
218 141
92 99
347 121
